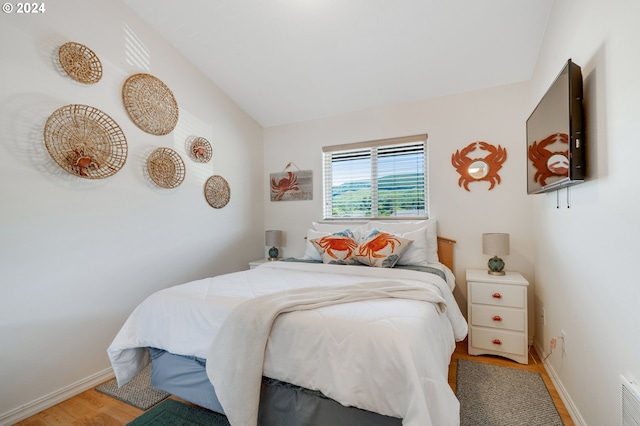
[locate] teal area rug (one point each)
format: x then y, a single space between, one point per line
492 395
138 392
174 413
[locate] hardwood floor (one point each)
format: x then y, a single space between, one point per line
92 408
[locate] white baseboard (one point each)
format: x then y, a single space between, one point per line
562 391
40 404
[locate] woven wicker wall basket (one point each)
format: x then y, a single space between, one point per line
150 104
217 192
80 62
166 168
85 141
201 150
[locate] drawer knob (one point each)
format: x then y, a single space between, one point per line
496 296
497 318
497 342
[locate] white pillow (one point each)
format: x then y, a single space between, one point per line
432 240
311 252
332 228
418 252
424 234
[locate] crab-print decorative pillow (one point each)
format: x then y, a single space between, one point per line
339 248
382 249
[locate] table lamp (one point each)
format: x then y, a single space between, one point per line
273 238
495 245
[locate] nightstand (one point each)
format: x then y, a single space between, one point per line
256 263
497 311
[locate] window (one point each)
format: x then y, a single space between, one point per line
377 179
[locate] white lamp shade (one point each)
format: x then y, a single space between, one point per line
495 244
273 238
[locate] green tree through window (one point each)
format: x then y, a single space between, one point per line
376 179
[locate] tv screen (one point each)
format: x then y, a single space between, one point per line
555 142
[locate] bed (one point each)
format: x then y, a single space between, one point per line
357 342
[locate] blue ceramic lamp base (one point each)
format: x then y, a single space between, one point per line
496 266
273 253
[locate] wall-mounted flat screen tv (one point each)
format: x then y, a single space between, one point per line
555 136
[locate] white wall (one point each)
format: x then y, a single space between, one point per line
77 255
585 263
494 115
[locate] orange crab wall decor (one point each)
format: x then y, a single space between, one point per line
289 186
479 169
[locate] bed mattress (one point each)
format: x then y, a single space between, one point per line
280 403
385 356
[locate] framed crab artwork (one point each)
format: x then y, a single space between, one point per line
475 168
291 185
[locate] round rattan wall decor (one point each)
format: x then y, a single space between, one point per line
217 192
166 168
85 141
150 104
201 150
80 63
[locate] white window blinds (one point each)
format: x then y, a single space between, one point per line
377 179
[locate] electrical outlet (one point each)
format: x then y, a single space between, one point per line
564 341
552 343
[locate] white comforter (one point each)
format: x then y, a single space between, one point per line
360 354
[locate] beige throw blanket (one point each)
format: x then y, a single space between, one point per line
236 356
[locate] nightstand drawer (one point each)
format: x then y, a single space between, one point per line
498 294
498 317
498 340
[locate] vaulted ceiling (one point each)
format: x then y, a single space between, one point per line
285 61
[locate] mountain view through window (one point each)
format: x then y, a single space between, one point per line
380 181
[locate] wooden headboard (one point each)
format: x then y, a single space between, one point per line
445 251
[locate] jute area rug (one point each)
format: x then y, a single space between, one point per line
138 392
492 395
